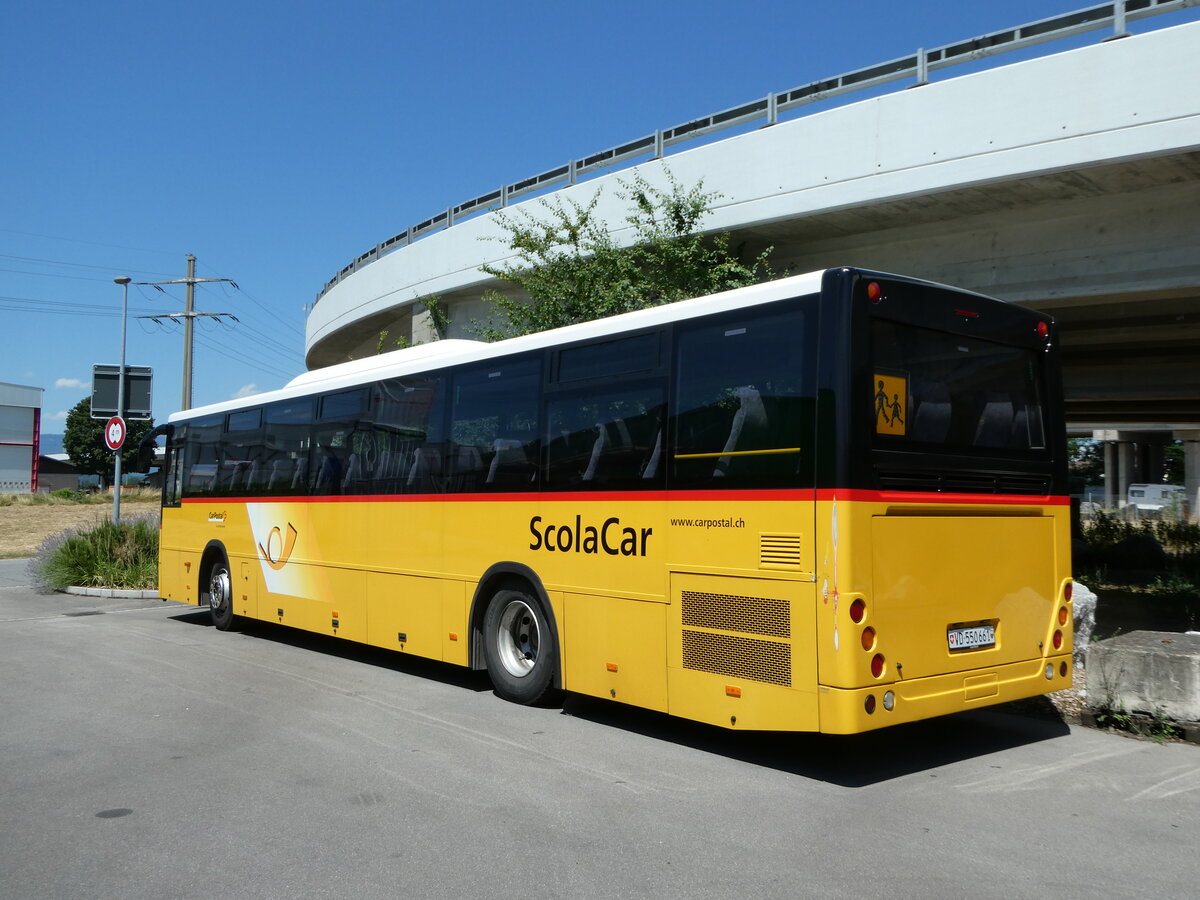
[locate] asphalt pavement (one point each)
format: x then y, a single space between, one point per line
147 755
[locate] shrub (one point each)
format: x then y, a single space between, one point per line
107 555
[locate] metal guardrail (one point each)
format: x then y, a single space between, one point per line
917 65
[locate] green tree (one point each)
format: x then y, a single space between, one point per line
1085 457
569 269
83 441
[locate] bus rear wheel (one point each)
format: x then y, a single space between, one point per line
519 647
220 595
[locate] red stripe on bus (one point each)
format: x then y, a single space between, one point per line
530 496
864 496
775 495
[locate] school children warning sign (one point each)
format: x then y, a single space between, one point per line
891 403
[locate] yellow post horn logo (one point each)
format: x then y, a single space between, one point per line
274 540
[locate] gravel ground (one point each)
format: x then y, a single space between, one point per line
23 528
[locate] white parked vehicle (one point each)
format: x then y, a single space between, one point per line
1154 497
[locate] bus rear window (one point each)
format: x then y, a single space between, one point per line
933 387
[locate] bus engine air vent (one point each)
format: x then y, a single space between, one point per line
769 662
731 612
779 551
962 482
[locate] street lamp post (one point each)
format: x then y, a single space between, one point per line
123 280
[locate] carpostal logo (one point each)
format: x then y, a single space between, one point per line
278 549
609 537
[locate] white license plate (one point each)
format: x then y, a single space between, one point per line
971 638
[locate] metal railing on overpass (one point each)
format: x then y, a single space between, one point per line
918 65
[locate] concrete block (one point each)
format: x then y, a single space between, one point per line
1154 672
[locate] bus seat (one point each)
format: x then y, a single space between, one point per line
252 474
1020 437
507 452
299 473
995 424
382 466
932 419
425 469
623 435
353 472
466 463
597 450
279 469
329 476
751 412
650 469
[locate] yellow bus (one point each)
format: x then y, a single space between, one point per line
832 502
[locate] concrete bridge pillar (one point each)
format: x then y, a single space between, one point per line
1124 469
1110 475
1191 469
1132 457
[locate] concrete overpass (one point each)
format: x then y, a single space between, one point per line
1069 183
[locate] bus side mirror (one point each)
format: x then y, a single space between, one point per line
145 456
145 451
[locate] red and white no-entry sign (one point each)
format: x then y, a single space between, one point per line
114 433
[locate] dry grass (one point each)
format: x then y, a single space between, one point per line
23 527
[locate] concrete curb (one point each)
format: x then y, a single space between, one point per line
1186 731
111 592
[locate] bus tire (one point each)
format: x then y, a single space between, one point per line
519 647
220 594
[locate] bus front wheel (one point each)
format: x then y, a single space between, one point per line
220 595
519 647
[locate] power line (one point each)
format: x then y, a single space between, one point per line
270 312
55 237
54 275
67 307
207 343
63 262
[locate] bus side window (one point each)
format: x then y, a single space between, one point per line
494 427
241 453
287 429
341 443
201 456
744 401
604 438
173 474
407 427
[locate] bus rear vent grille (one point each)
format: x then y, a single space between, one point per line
730 612
779 551
738 657
963 482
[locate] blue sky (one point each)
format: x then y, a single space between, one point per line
276 141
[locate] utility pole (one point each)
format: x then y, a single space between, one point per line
188 316
188 324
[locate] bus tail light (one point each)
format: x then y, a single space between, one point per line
868 638
869 704
874 291
1062 615
1043 329
858 611
877 665
1068 590
1058 640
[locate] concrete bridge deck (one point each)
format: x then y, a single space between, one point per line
1069 182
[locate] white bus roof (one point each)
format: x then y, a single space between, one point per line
438 354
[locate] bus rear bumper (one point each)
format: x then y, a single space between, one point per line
845 711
